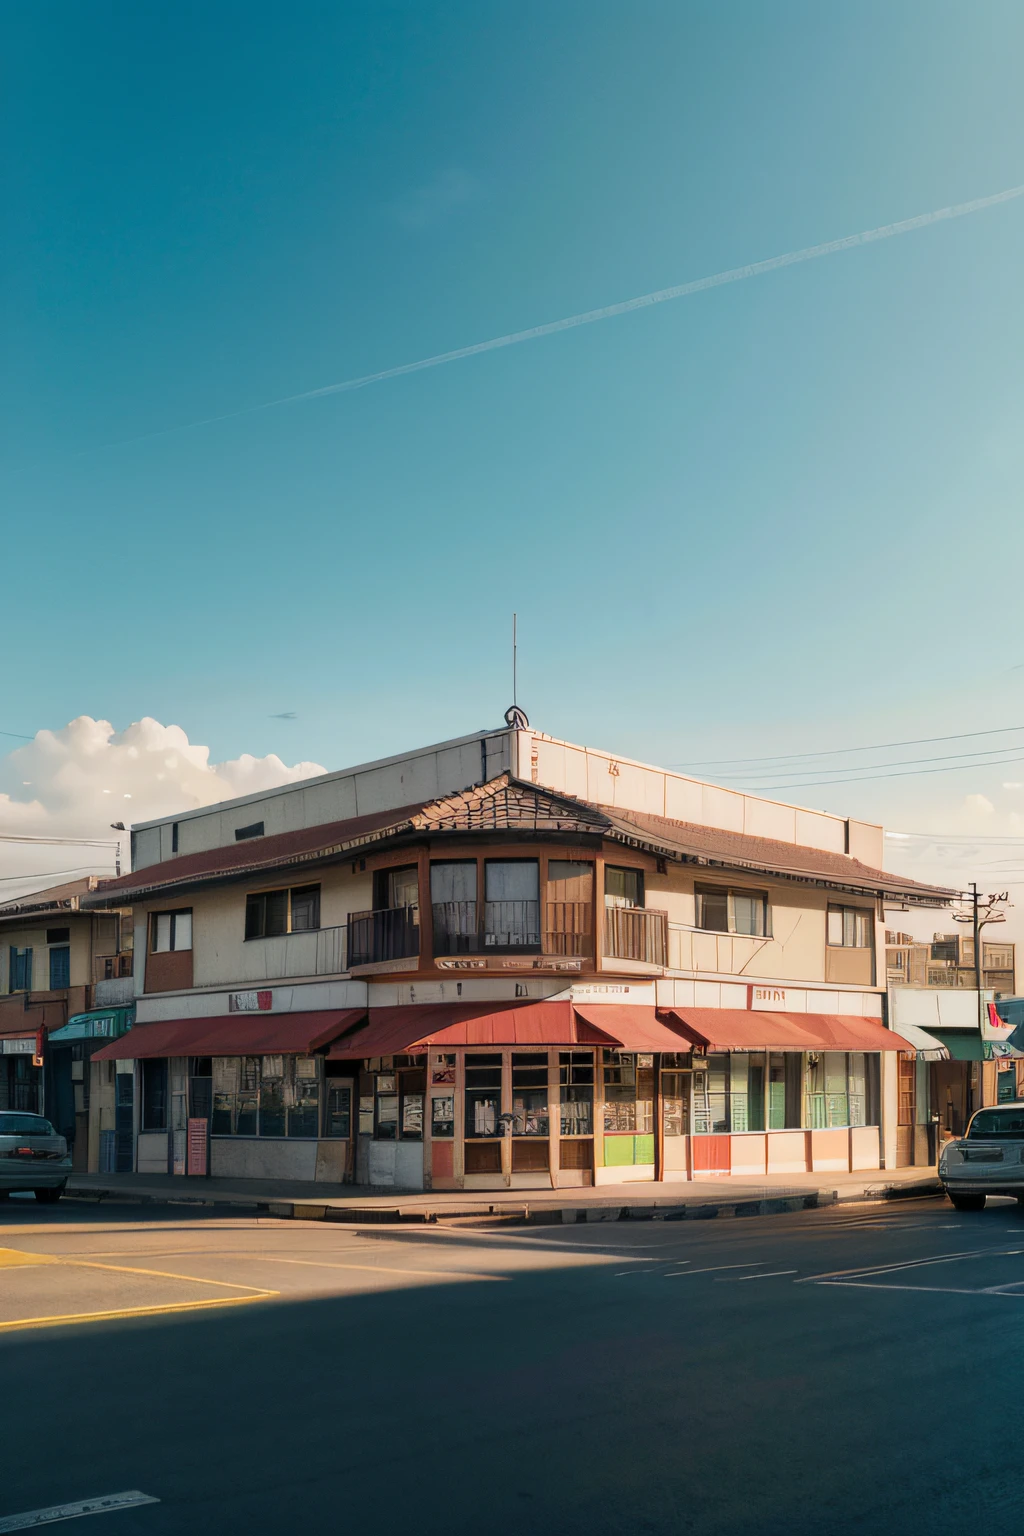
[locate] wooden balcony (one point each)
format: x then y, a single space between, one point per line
568 929
389 933
637 934
488 927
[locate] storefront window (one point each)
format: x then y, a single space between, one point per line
785 1070
338 1117
729 1093
576 1093
442 1116
859 1088
675 1103
840 1090
154 1095
266 1096
619 1091
483 1095
530 1094
628 1092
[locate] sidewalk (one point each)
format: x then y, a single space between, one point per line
359 1205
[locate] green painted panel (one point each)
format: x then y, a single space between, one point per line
618 1151
644 1152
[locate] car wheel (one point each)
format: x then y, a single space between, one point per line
966 1202
49 1196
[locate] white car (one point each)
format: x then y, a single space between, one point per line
989 1160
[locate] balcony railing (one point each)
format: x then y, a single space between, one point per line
310 952
475 928
636 933
392 933
567 928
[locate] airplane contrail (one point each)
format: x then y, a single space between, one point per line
590 316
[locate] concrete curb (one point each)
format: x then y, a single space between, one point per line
520 1215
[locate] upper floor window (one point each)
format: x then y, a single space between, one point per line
851 927
720 909
171 931
58 935
20 979
254 829
623 887
394 888
294 910
60 967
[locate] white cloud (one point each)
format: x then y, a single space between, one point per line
1013 785
76 781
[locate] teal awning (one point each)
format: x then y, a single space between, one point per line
963 1044
100 1024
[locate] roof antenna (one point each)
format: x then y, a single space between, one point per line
515 718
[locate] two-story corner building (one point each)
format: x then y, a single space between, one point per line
65 989
504 961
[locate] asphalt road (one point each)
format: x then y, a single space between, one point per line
854 1370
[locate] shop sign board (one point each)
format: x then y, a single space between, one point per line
767 999
25 1047
250 1002
556 963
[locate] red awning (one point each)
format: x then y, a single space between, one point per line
633 1028
740 1029
250 1034
396 1030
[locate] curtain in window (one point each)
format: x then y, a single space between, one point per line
514 881
453 882
623 887
747 913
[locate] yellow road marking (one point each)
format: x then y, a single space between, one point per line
382 1269
161 1274
94 1317
11 1257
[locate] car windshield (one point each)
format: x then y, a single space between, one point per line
999 1124
25 1125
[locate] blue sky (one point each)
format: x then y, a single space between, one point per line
776 516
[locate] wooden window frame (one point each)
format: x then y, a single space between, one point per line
704 888
289 891
173 913
844 907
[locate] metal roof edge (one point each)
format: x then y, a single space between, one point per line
319 778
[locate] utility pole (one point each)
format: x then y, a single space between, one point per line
978 919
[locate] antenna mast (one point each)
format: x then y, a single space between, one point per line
515 689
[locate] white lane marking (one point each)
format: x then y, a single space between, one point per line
711 1268
942 1290
864 1270
99 1506
769 1275
621 1273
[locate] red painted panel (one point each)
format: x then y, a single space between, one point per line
710 1154
442 1159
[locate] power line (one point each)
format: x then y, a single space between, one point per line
61 842
992 762
48 874
19 735
956 837
879 746
910 773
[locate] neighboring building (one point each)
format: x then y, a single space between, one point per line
58 962
947 960
504 961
